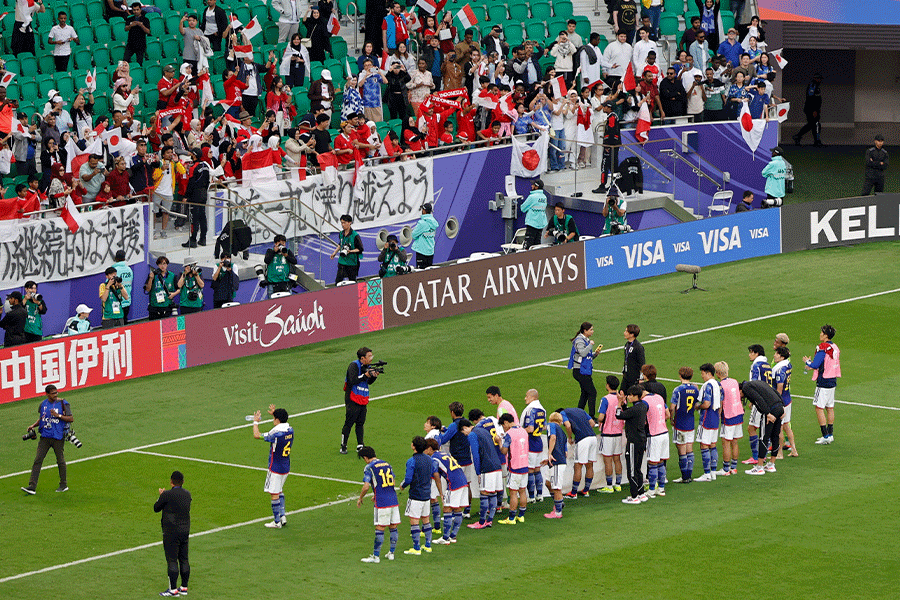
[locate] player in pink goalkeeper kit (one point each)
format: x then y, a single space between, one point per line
503 406
515 447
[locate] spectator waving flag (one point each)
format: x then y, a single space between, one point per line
642 130
467 17
779 58
628 81
334 26
752 129
90 81
529 161
559 88
253 28
328 164
7 78
235 22
258 168
118 144
71 215
432 7
7 118
243 51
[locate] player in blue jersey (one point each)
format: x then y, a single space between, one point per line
379 477
708 428
458 445
683 403
420 471
534 420
280 439
54 416
781 374
432 429
556 457
487 468
759 371
479 419
456 494
580 427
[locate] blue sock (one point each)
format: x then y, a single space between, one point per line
429 530
522 511
705 453
651 476
714 458
538 485
618 479
467 510
682 464
609 481
661 475
690 465
281 505
395 535
276 505
483 509
733 464
379 540
457 523
416 534
492 507
436 513
512 514
531 486
558 506
575 486
754 446
587 483
500 498
448 525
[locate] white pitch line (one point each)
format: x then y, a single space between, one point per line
473 378
237 466
82 561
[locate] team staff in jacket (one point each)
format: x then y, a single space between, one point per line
535 209
581 363
634 357
423 238
770 405
175 506
876 164
356 396
635 418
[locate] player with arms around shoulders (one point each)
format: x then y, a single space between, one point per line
683 403
826 366
732 419
280 439
760 370
708 428
378 476
456 493
580 427
420 471
612 444
781 373
515 447
556 457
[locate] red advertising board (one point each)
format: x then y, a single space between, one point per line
80 361
228 333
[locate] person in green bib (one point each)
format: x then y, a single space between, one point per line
191 287
561 227
279 260
127 276
350 247
34 304
614 210
392 256
112 293
161 288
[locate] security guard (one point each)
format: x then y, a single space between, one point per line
876 164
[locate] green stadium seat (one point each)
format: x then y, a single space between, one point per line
101 104
102 84
496 12
102 57
540 10
563 8
583 27
675 7
12 64
46 64
315 69
172 47
217 64
480 12
65 85
151 95
153 73
243 13
270 33
727 21
338 47
261 12
79 15
554 26
518 12
485 28
301 100
535 30
137 74
83 59
13 92
118 29
28 63
514 33
336 66
545 62
95 12
154 49
157 26
668 25
45 84
172 22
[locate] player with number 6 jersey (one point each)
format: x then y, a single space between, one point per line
280 439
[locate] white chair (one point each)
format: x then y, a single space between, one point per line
721 203
517 244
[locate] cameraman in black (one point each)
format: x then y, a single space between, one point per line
225 282
561 227
14 321
614 212
190 284
392 256
350 248
112 293
279 260
36 308
160 286
360 374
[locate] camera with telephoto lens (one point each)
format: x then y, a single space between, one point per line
560 236
261 275
37 298
191 269
70 437
32 434
618 228
403 269
377 367
345 249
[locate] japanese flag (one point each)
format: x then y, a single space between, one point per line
752 129
776 54
258 168
71 215
334 26
642 130
529 161
328 165
253 28
90 80
7 78
781 111
559 88
467 17
243 51
118 144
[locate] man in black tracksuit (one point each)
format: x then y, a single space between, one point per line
175 504
876 164
634 357
770 405
635 418
197 188
812 108
612 139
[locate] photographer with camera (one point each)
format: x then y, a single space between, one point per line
350 247
36 308
614 212
360 375
127 275
561 227
392 256
160 286
279 259
535 209
14 321
225 282
190 284
54 416
112 294
423 235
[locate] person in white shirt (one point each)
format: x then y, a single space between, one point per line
641 48
688 70
591 61
61 36
290 13
616 58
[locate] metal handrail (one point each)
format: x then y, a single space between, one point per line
695 168
352 19
626 147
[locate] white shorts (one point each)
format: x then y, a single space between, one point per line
755 418
684 437
557 475
491 482
658 448
708 436
434 490
612 445
535 459
786 418
472 478
387 516
824 398
417 509
517 481
733 432
456 498
586 450
275 482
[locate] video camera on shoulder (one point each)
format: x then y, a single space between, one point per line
377 367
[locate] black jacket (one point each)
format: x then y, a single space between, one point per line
635 417
14 324
763 397
175 504
634 360
874 158
225 286
221 22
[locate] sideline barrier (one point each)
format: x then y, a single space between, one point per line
841 222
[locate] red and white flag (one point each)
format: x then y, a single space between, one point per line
7 119
432 7
628 81
559 88
328 164
385 59
71 215
235 22
348 72
79 157
779 58
90 80
781 111
118 144
258 168
7 78
243 51
412 21
751 129
253 28
642 130
529 160
467 17
99 129
334 26
507 105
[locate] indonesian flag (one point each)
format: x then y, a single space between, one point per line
776 54
243 51
118 144
7 118
258 168
236 126
628 81
412 21
781 111
752 129
90 80
529 161
483 98
207 96
71 215
559 88
467 17
328 164
253 28
432 7
235 22
334 26
359 175
7 78
642 130
99 129
385 57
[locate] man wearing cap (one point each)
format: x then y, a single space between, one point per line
876 165
812 108
249 73
616 216
167 87
775 173
14 321
321 92
423 235
731 48
80 324
535 209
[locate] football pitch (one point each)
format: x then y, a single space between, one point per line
824 525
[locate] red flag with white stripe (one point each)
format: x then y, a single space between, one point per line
7 118
628 81
243 51
751 129
71 215
334 26
328 164
559 88
467 17
235 22
642 129
253 28
432 7
385 57
258 168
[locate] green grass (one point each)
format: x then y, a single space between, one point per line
825 173
823 525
